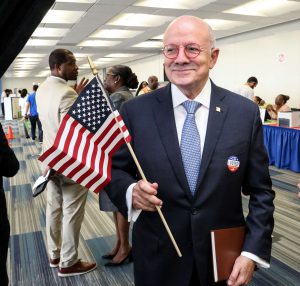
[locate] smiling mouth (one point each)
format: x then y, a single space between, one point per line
186 70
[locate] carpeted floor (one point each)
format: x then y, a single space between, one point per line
28 260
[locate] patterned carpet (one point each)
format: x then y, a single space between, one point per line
28 260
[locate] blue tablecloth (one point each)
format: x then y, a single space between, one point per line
283 147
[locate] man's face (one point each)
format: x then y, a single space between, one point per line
69 69
109 81
253 85
153 83
185 72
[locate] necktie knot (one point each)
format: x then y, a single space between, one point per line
191 106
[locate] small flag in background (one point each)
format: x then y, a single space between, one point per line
87 138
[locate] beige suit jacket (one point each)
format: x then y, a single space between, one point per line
54 98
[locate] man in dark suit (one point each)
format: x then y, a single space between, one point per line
221 139
9 166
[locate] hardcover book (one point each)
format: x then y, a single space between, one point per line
227 246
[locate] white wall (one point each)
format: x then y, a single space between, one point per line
257 54
21 82
147 67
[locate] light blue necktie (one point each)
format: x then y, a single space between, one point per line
190 145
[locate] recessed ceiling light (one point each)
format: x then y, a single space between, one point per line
219 24
81 55
98 43
31 55
120 55
62 16
115 33
26 60
159 37
140 20
49 32
39 42
43 73
265 8
84 66
105 60
149 44
174 4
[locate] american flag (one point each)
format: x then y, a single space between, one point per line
88 136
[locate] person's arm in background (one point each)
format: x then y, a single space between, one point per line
298 185
9 164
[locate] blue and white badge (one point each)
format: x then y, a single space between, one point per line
233 163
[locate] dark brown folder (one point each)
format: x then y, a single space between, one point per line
226 245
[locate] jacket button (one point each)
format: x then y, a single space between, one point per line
194 211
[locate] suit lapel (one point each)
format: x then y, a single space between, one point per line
217 114
165 122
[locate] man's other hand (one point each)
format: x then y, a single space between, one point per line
242 271
81 85
144 196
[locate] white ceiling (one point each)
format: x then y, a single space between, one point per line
98 15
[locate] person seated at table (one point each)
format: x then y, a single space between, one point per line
259 101
279 106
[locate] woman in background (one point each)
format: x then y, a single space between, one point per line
259 101
279 106
141 86
119 79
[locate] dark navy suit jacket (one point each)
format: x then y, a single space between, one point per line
234 129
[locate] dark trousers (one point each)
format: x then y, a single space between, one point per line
4 238
2 107
34 120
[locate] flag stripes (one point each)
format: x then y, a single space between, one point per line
79 152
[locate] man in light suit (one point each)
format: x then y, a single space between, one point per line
233 159
65 198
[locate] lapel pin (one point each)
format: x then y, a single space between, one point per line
233 163
218 109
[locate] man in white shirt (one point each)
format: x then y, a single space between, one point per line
247 88
192 123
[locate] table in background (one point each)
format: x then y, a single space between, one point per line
283 147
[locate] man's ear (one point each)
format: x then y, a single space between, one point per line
213 57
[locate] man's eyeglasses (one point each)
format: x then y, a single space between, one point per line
191 50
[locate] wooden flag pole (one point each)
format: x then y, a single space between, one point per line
95 73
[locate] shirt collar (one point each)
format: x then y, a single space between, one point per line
203 97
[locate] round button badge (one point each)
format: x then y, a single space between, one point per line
233 163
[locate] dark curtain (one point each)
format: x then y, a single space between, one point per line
18 20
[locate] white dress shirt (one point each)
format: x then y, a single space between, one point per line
201 117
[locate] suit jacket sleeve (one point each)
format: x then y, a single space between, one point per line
9 164
258 184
